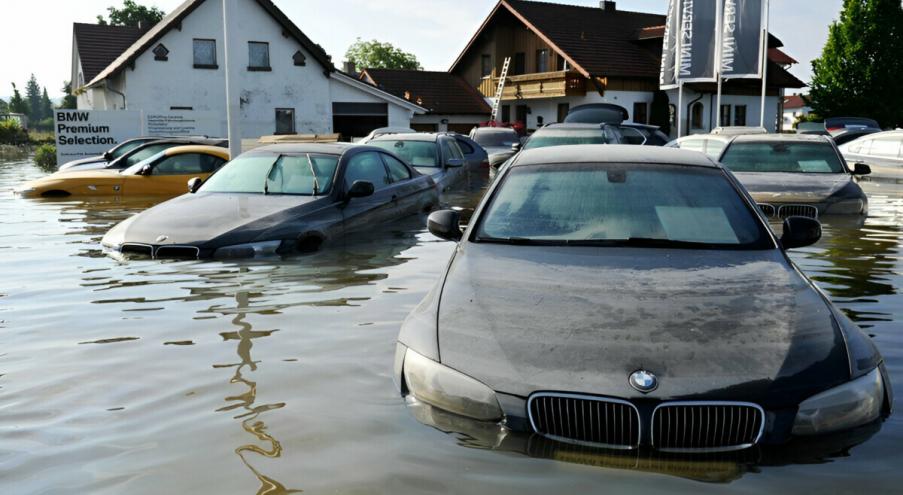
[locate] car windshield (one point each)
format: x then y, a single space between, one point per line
782 156
559 137
620 205
275 174
141 154
496 138
125 148
417 153
136 168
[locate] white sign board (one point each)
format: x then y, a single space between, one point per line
85 133
186 123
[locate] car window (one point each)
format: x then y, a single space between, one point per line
496 138
144 153
885 147
186 164
558 137
280 174
598 203
466 148
301 174
397 170
417 153
451 149
714 147
795 157
369 167
125 148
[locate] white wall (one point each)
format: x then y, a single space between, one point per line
709 103
342 91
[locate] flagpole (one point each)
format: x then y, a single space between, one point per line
230 50
680 106
764 67
680 84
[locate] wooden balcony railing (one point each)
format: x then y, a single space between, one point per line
536 85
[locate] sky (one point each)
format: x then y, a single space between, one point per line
36 36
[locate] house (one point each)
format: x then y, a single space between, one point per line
287 84
795 106
566 55
452 104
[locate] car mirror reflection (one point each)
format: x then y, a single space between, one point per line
800 232
445 224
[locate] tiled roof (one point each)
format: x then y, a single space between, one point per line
795 101
98 45
439 92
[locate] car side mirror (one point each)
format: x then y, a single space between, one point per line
861 169
107 156
800 232
455 162
194 184
360 189
444 224
515 147
145 170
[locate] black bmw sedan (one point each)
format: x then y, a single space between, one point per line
278 199
627 297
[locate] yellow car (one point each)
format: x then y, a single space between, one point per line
165 174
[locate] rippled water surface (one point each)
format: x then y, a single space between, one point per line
275 376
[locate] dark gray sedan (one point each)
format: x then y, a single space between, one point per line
621 296
279 199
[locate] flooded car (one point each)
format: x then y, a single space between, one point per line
279 199
796 174
162 174
437 155
635 298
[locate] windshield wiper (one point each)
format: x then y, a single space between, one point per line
314 174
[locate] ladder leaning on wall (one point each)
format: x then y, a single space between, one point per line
498 92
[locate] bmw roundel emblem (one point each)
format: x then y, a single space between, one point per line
162 238
644 381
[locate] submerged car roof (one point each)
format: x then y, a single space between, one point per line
420 136
612 153
327 148
769 138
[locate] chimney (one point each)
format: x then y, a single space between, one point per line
608 5
350 68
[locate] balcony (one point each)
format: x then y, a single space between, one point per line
536 85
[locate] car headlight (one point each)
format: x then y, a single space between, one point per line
248 250
846 207
852 404
449 389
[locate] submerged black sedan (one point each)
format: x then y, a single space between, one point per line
628 297
278 199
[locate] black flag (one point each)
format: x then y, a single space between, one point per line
741 39
698 40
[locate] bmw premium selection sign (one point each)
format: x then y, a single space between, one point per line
85 133
698 40
741 39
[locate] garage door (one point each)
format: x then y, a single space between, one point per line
355 120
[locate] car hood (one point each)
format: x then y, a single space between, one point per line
725 325
779 187
197 219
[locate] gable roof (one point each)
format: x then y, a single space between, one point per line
98 46
600 42
381 93
439 92
795 101
174 19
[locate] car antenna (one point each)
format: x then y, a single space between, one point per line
314 174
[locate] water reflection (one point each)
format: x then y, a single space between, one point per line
250 421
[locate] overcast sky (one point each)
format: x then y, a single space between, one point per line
36 35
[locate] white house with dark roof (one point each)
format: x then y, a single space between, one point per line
287 84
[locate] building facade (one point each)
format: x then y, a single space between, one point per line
287 84
562 56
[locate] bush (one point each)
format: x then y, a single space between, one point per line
38 137
45 156
12 133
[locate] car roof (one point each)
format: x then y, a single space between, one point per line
196 148
893 133
612 153
506 130
639 126
771 138
571 125
324 148
420 136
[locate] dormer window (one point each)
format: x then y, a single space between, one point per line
161 53
299 59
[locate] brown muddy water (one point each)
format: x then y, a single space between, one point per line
275 376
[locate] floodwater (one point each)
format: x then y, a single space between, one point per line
275 376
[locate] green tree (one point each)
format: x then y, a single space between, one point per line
132 14
46 105
858 73
17 104
33 95
4 107
375 55
69 101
